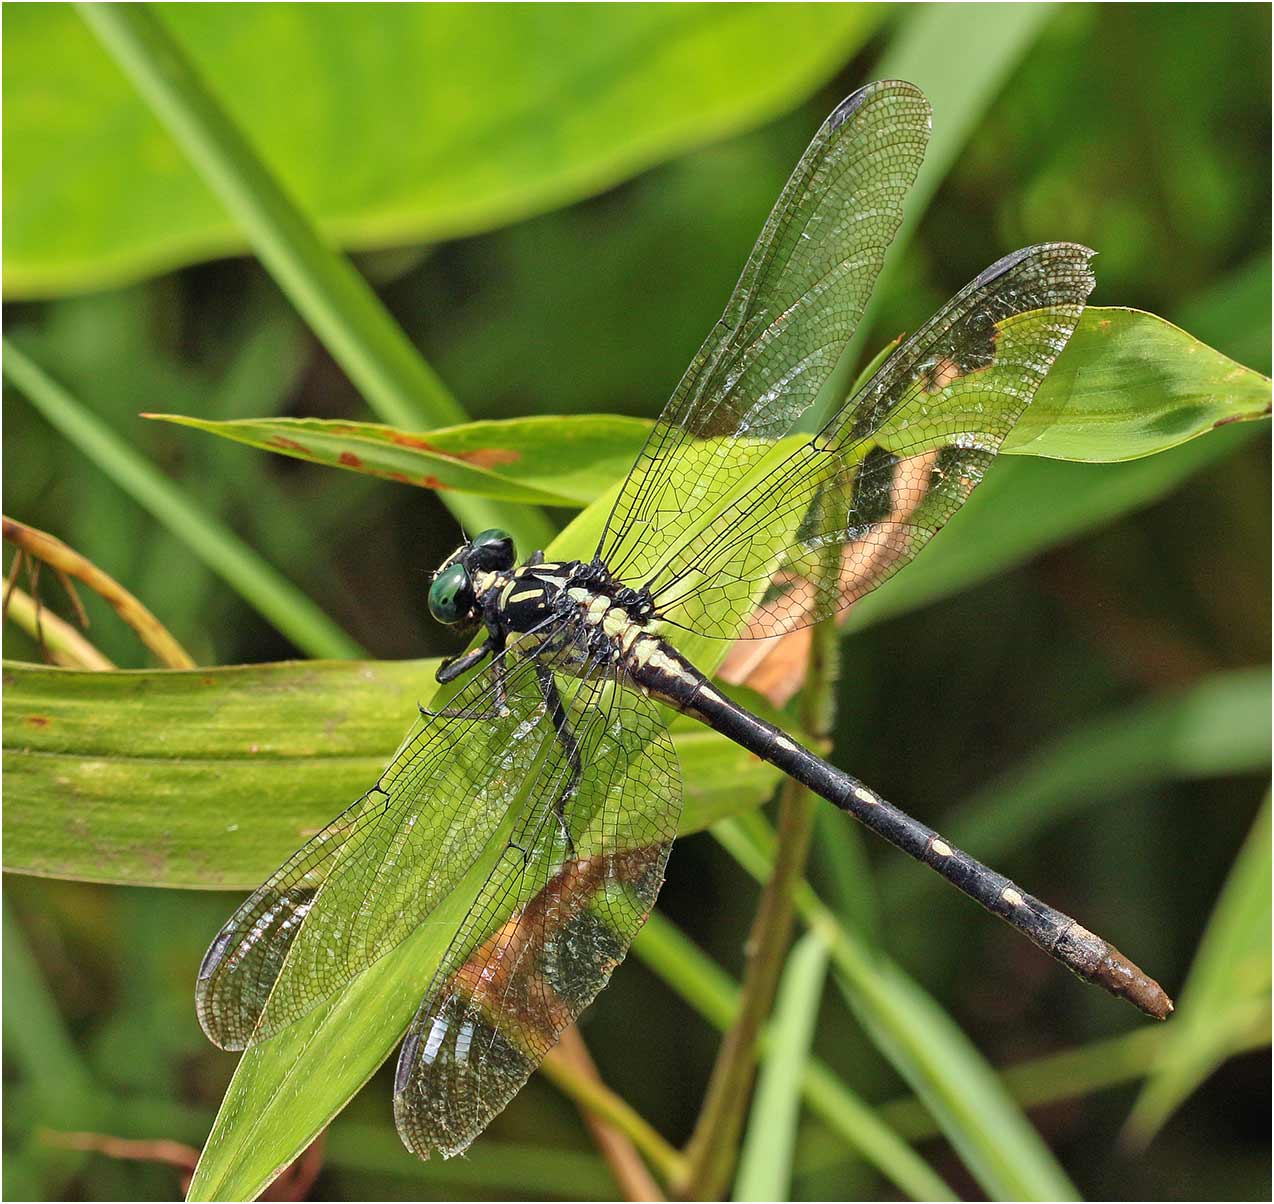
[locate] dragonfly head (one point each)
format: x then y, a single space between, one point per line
452 599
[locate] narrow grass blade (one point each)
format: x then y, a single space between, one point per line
765 1162
63 643
987 1129
67 560
714 995
220 549
1227 990
339 305
959 55
1217 727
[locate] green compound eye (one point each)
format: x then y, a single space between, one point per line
451 595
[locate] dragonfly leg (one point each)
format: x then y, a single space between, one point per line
449 670
566 737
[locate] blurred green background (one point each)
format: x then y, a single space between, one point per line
554 204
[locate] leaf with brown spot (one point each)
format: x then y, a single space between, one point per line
544 461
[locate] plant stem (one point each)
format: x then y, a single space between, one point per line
53 551
615 1146
339 305
65 645
714 1145
591 1093
219 548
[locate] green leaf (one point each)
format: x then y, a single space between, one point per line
1130 384
285 1090
453 119
209 779
1027 505
1228 988
544 461
765 1161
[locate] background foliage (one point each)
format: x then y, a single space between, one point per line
598 177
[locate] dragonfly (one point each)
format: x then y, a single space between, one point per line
553 746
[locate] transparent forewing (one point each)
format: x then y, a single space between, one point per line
848 509
363 884
794 308
553 920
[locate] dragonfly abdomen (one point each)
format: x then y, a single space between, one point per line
1060 936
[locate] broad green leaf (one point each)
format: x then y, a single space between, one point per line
285 1090
960 56
765 1160
1227 990
1130 384
543 461
453 118
210 778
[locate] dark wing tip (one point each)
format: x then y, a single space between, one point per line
1071 252
855 100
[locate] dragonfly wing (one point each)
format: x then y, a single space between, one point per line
551 923
848 509
363 884
793 310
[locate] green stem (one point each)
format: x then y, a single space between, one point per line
715 996
219 548
339 305
714 1145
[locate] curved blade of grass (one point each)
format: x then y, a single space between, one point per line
209 779
67 560
218 547
557 104
1219 726
765 1160
338 304
1228 988
1076 1073
62 643
986 1128
544 461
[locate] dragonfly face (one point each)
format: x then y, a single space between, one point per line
454 590
552 770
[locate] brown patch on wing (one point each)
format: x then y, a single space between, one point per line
534 1013
776 667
